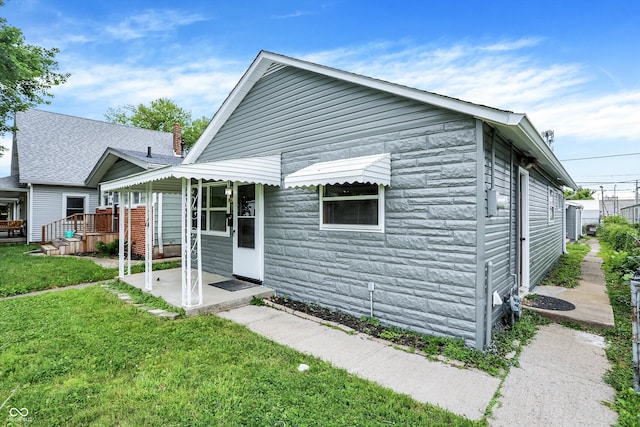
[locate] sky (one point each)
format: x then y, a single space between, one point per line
572 66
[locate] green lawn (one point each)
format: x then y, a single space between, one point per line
23 272
83 357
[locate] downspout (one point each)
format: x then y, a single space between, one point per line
513 209
489 270
489 296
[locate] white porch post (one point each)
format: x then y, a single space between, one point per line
121 235
196 283
186 242
191 243
148 253
128 209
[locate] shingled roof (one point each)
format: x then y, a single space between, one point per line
57 149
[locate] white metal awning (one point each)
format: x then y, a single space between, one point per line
375 169
257 170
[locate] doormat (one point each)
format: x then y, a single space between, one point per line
233 285
548 303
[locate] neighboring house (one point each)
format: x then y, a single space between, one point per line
573 218
631 213
118 163
343 189
54 155
591 211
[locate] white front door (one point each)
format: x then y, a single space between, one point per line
523 232
248 224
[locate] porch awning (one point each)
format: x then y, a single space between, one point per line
168 179
375 169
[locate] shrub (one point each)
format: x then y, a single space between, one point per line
621 235
108 248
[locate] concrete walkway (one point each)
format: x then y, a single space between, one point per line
559 381
590 296
463 391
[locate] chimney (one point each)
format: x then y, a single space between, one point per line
149 152
177 139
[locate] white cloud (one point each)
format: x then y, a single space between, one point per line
199 86
151 21
605 117
507 75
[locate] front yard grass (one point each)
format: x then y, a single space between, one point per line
23 272
83 357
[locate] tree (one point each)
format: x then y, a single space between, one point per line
161 114
581 194
27 73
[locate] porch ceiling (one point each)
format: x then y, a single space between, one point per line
258 170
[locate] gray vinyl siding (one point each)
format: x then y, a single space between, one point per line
120 169
500 231
296 109
424 264
545 237
48 205
171 224
217 255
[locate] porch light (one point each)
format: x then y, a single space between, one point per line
228 191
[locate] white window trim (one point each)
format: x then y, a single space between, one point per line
78 195
124 194
354 227
551 206
227 210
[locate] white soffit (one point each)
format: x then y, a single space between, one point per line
257 170
375 169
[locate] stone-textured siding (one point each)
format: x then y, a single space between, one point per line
423 265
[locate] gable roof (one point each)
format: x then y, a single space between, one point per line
58 149
514 127
138 158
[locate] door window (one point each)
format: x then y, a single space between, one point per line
246 214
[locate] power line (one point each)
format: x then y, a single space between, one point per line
600 157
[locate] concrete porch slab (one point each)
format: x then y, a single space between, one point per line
167 285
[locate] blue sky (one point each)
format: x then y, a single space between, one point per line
572 66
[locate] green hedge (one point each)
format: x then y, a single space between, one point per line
624 239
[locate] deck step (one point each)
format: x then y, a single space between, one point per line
50 250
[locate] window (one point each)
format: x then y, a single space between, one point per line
74 205
552 205
214 209
111 198
352 207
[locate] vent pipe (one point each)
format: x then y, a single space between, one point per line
149 152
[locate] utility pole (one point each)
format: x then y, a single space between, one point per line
636 191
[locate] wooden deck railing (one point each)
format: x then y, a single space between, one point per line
80 224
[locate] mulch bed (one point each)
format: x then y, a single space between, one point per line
548 303
363 325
